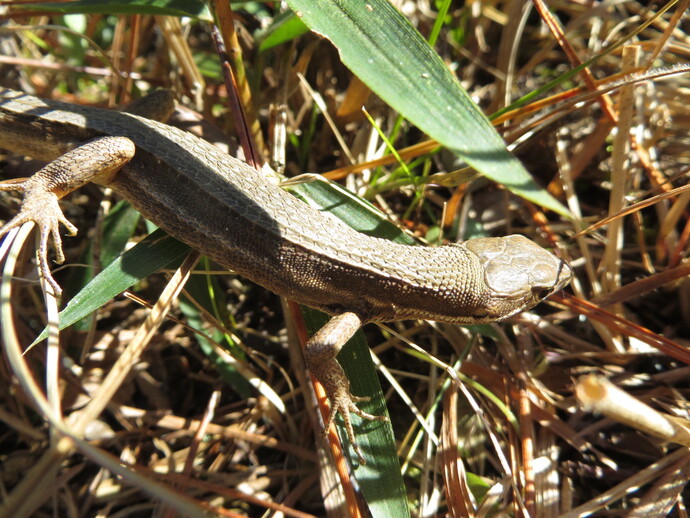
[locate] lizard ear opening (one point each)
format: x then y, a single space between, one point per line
481 315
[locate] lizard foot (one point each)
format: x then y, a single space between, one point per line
320 354
99 159
41 207
337 388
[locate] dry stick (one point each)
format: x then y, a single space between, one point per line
621 146
642 286
226 26
458 494
598 395
642 204
194 447
527 441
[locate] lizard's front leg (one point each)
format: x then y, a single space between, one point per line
320 354
98 160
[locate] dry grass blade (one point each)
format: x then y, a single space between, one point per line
630 329
665 493
555 27
623 489
458 493
635 207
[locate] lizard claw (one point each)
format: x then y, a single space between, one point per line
320 354
40 207
343 402
337 388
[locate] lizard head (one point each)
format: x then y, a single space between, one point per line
518 274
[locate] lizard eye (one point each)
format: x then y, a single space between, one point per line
541 292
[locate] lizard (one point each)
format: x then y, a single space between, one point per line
247 223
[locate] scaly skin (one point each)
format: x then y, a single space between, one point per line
235 215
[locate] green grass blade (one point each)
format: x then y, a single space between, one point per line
380 480
381 47
156 251
192 8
